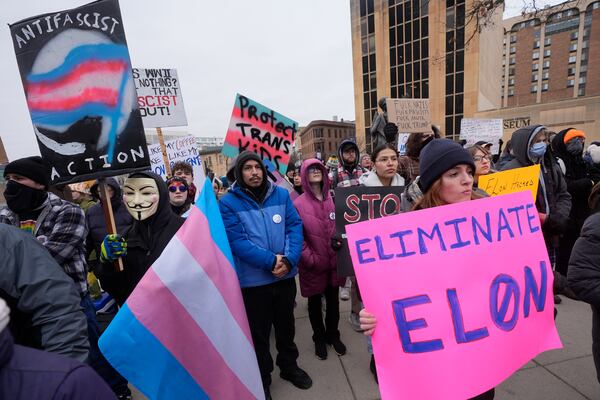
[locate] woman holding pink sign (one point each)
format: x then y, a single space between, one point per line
447 176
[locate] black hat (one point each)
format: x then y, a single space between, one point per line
32 167
483 143
439 156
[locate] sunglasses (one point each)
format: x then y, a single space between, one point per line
173 189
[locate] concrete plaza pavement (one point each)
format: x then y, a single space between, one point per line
565 374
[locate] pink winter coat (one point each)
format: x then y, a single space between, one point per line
317 266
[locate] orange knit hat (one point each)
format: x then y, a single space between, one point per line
573 133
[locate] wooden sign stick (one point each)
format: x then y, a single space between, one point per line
109 218
163 149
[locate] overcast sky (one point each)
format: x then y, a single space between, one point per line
293 56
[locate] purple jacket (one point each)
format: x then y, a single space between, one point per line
27 373
317 266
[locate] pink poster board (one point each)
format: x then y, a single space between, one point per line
462 295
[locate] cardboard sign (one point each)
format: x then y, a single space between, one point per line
77 77
280 180
474 130
410 115
256 128
462 295
361 203
511 181
159 97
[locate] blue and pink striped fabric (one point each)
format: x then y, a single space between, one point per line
183 332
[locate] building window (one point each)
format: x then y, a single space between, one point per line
570 83
546 64
511 81
547 41
533 89
572 59
582 80
574 35
536 44
573 47
545 87
585 44
547 53
545 75
511 70
535 67
534 78
571 71
511 92
513 49
513 38
581 91
536 56
511 61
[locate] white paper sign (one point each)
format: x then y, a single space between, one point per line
181 149
159 97
474 130
402 139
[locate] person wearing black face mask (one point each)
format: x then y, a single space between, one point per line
60 227
568 147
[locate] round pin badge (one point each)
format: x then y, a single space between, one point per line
332 216
277 218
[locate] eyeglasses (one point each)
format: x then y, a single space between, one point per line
173 189
313 170
488 158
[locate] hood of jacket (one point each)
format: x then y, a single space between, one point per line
325 184
348 143
116 199
372 179
521 141
242 159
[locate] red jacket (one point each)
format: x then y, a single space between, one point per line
317 266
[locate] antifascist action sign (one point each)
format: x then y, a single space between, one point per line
361 203
462 295
256 128
77 77
159 97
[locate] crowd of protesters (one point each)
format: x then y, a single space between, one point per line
56 250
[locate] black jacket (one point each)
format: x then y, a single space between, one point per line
33 374
584 275
145 242
44 301
95 220
578 178
559 199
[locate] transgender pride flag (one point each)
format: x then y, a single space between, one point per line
183 332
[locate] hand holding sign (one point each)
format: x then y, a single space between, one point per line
452 286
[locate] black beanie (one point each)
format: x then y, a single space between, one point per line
32 167
439 156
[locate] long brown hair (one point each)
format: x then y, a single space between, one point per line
432 197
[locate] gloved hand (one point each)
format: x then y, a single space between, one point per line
336 242
113 247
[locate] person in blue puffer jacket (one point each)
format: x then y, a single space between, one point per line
265 235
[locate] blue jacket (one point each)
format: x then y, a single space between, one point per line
258 232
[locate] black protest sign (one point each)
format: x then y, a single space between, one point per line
77 77
361 203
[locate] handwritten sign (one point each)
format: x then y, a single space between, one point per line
462 295
402 139
511 181
180 149
257 128
77 77
474 130
361 203
410 115
280 180
159 97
